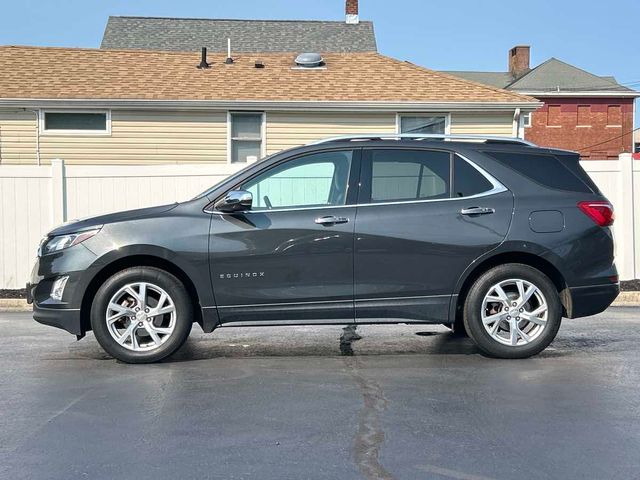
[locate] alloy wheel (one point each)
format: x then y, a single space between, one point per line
141 316
514 312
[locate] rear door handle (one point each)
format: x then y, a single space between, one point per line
477 211
331 220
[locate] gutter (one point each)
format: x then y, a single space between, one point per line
269 105
579 94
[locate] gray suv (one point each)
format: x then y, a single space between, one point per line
494 237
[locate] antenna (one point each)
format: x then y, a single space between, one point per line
229 60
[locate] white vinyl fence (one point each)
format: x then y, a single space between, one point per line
34 199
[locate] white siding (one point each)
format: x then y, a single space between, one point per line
482 123
17 137
286 130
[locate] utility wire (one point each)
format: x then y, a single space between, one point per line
611 139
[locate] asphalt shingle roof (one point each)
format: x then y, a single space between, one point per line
190 34
549 76
555 74
74 73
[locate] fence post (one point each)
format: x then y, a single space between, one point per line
58 192
627 262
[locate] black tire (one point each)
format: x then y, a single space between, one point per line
473 308
157 277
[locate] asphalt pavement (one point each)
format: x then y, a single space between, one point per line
372 402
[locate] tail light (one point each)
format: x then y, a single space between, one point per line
600 212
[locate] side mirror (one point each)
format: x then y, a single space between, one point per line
235 201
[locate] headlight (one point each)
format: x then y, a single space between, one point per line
60 242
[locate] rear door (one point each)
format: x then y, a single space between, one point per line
423 217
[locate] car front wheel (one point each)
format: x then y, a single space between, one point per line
512 311
141 315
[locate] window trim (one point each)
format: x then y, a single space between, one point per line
357 165
446 115
497 187
63 132
352 186
526 120
263 134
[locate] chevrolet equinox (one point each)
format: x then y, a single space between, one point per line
494 237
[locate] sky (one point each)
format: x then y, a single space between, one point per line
600 37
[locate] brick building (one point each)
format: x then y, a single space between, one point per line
591 114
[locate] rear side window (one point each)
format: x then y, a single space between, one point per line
398 175
467 180
546 170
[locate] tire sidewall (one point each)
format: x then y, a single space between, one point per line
170 284
473 307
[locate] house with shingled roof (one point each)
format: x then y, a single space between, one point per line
172 90
108 106
591 114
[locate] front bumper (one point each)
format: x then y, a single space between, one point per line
592 299
65 318
64 313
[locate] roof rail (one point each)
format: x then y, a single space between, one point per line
430 136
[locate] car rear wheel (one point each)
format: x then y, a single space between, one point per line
141 315
512 311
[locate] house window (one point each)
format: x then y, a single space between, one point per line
526 120
75 122
553 116
584 116
423 124
614 116
246 140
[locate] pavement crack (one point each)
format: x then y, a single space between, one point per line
348 336
370 435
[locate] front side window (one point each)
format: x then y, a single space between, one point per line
403 175
86 122
423 124
315 180
246 137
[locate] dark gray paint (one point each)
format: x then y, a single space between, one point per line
399 262
546 221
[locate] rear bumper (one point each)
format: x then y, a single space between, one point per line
592 299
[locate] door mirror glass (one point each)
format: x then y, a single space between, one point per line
235 201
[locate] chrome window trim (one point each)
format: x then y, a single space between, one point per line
497 188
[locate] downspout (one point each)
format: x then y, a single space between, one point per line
516 123
37 113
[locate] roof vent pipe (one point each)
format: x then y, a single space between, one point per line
203 61
229 59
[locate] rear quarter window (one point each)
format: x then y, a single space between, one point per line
544 169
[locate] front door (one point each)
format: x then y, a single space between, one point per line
423 217
289 258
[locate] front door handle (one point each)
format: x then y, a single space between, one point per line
477 211
331 220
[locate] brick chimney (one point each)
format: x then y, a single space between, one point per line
352 12
519 60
